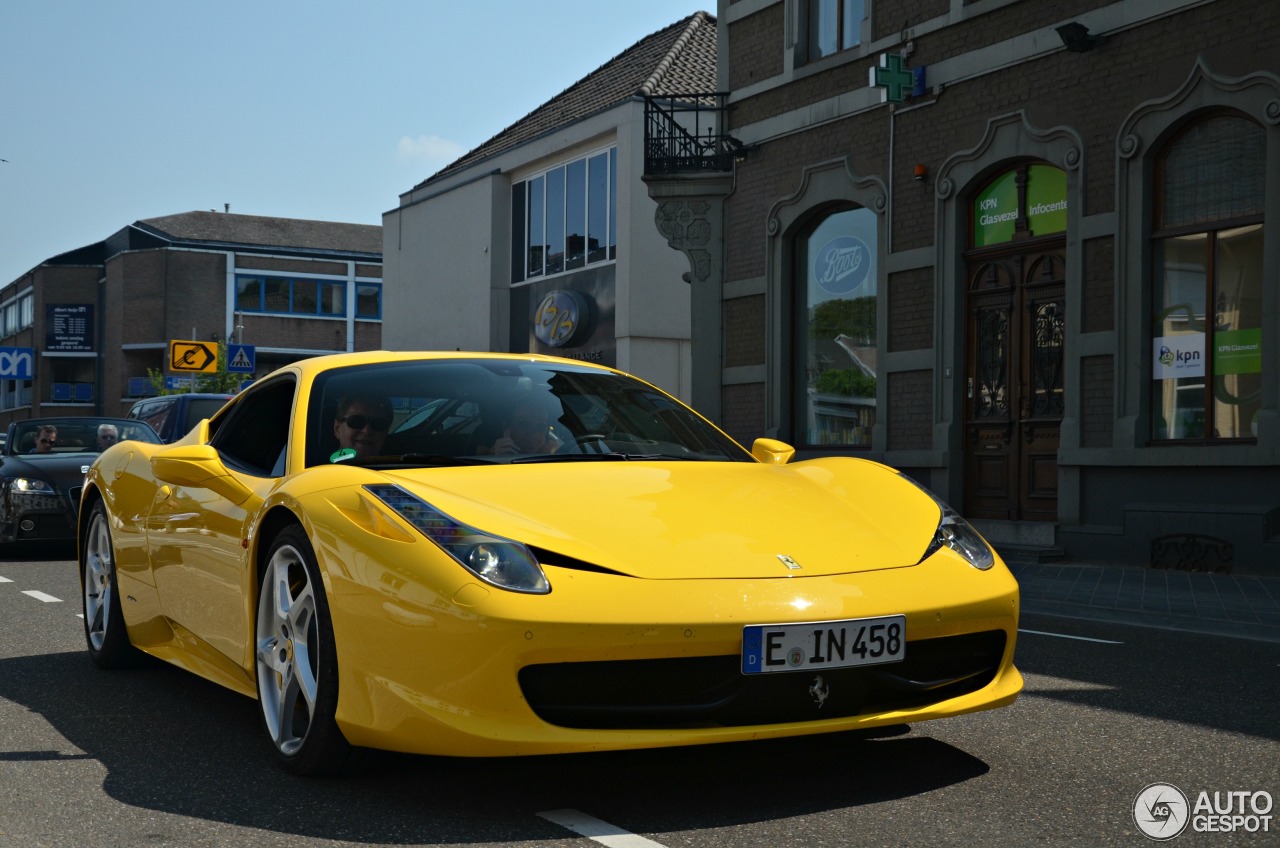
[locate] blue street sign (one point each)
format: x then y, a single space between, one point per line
240 359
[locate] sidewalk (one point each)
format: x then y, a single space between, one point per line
1219 604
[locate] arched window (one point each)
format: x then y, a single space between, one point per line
1207 341
834 330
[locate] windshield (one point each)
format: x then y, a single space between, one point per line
38 436
473 411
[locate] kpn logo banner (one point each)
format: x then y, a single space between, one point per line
1178 356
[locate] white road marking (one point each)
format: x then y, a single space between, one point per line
1066 636
5 580
41 596
596 830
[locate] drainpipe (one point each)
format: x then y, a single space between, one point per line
100 365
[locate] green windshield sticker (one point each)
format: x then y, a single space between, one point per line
342 454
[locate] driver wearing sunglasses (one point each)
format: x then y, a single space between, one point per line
46 438
361 424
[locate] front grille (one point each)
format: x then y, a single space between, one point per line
47 526
712 692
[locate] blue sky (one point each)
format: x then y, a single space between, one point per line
111 112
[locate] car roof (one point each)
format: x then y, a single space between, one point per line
312 366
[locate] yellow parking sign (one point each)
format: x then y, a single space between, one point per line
191 356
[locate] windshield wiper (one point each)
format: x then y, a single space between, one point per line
608 456
419 459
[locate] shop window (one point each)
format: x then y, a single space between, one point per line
834 331
565 218
831 26
1207 246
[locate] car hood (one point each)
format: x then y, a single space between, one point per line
64 469
675 520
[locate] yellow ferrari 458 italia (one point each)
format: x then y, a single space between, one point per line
489 555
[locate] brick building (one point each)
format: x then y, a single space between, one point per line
97 318
1024 250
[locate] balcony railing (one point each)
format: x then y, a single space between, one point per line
686 133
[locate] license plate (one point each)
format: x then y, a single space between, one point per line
823 644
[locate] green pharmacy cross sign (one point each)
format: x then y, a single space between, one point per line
897 81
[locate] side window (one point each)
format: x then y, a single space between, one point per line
155 414
199 409
254 434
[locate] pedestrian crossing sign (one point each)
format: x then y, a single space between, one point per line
240 359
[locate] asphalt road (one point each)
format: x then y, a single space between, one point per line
156 757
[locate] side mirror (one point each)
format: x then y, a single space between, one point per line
198 467
772 451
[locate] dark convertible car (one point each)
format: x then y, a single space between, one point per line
42 469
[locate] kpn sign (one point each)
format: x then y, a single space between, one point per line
1041 203
17 363
1183 355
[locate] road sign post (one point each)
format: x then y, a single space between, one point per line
241 359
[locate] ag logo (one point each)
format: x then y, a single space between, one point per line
1161 811
563 319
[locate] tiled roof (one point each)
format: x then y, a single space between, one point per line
680 59
259 231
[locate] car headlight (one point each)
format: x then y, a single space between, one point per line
957 534
501 562
30 485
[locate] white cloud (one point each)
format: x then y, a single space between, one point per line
429 148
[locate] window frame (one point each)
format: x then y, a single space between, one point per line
809 37
243 425
321 300
1212 230
531 199
799 404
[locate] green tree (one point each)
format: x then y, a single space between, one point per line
856 318
217 382
849 382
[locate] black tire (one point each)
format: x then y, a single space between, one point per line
297 664
104 628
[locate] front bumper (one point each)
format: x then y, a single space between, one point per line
37 518
491 673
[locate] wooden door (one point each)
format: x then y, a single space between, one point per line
1013 384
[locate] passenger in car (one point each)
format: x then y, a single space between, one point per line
527 430
108 434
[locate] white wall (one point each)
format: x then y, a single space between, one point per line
439 255
446 256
